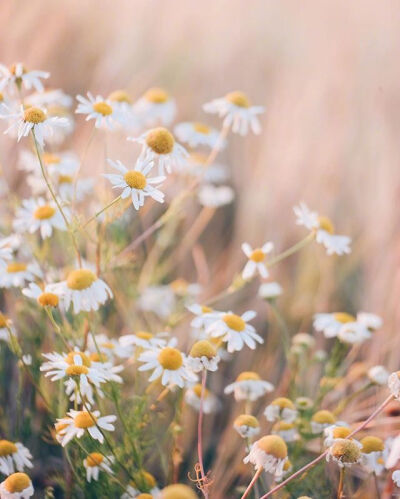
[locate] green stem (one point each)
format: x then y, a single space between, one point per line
293 249
101 211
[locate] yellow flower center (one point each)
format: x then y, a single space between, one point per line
59 427
234 322
246 420
179 286
248 375
13 69
135 179
148 478
69 359
287 465
84 420
178 491
371 444
273 445
346 451
283 426
102 108
283 403
160 140
44 212
74 370
343 317
50 159
326 224
7 448
201 128
48 299
206 310
341 432
197 390
203 348
17 482
15 267
238 98
34 115
144 496
1 97
323 417
144 335
170 358
95 357
3 320
120 96
156 95
108 344
65 179
258 255
94 459
81 279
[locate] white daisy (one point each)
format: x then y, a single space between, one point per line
169 364
122 104
17 76
204 315
342 325
287 431
99 109
210 401
270 290
67 191
62 163
373 454
198 166
235 330
345 452
157 299
321 420
144 340
136 183
84 290
247 426
269 453
77 422
281 408
249 386
96 462
5 252
43 296
5 328
16 486
198 134
148 482
14 457
237 112
16 274
378 375
155 107
256 262
203 357
336 431
159 145
50 97
324 230
39 215
214 196
110 347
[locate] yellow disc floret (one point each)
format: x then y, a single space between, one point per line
197 390
201 128
282 426
170 358
246 420
341 432
203 348
84 420
344 317
120 96
248 375
326 224
238 98
135 179
102 108
34 115
50 159
76 370
257 255
283 403
48 300
178 491
69 359
273 445
44 212
156 95
4 320
144 335
81 279
16 483
371 444
323 417
15 267
234 322
7 448
94 459
346 451
160 140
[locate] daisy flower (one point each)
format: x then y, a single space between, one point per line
214 196
270 290
96 462
39 215
373 454
5 252
144 340
281 408
136 183
210 401
155 106
343 325
249 386
269 453
18 76
378 375
84 290
5 326
169 364
157 299
122 104
287 431
204 315
247 426
235 330
203 356
321 420
16 486
50 97
67 191
198 166
159 145
198 134
16 274
256 262
345 452
324 230
62 163
147 479
335 432
177 491
237 112
14 457
98 109
77 422
110 347
43 296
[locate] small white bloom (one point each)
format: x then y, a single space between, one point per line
210 401
62 163
144 340
39 215
270 290
247 426
99 109
373 454
378 375
256 262
287 431
336 431
321 420
5 328
48 98
249 386
269 453
17 75
5 252
345 452
394 384
281 409
16 486
198 134
157 299
155 107
43 296
203 356
396 477
14 457
16 274
345 326
215 196
96 462
78 422
204 315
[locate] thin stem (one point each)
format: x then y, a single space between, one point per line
341 483
293 249
378 492
252 483
75 180
56 327
283 327
200 436
101 211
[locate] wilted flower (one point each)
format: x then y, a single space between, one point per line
249 386
321 420
16 486
281 408
203 356
247 426
269 453
345 452
285 430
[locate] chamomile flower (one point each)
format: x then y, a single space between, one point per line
203 356
50 97
204 315
63 163
159 146
169 364
99 109
324 230
157 299
247 426
373 454
287 431
44 296
5 252
155 107
122 104
256 262
335 432
17 76
210 401
133 490
198 134
197 165
343 325
269 453
235 330
110 347
237 112
214 196
136 183
5 328
78 422
17 273
345 452
321 420
281 409
84 290
144 340
39 215
96 462
68 191
249 386
177 491
270 290
35 120
16 486
378 375
14 457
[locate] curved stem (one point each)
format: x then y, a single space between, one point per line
200 435
252 483
293 249
101 211
341 483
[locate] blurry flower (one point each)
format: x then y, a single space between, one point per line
83 289
177 491
394 384
204 315
344 452
16 274
249 386
155 106
44 297
135 183
203 356
324 230
281 408
39 215
27 359
214 196
378 375
235 330
16 486
247 426
157 299
346 327
122 104
17 76
334 432
303 340
96 462
143 340
287 468
303 403
5 252
269 453
256 262
67 190
197 165
198 134
167 363
287 431
110 347
269 290
159 145
14 457
321 420
320 355
132 491
99 109
237 112
65 163
210 401
373 454
77 422
50 97
5 328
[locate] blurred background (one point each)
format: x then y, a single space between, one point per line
327 73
